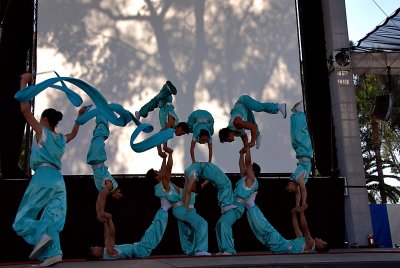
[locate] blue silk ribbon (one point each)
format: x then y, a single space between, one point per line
102 107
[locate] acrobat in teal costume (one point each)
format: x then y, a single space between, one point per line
217 177
223 227
301 143
245 106
97 155
45 195
163 101
193 229
269 236
147 244
198 120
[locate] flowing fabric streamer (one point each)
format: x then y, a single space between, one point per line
152 141
102 107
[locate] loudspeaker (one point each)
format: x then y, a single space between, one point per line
341 59
383 107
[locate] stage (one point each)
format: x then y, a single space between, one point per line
384 258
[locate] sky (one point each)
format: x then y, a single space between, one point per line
364 15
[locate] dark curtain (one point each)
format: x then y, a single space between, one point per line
16 47
316 84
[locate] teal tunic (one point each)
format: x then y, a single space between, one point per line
244 108
147 244
198 120
223 227
97 155
269 236
217 177
44 205
301 143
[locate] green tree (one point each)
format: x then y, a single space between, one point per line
379 139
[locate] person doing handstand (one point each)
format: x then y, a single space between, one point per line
242 119
244 189
193 229
201 124
96 157
301 143
167 116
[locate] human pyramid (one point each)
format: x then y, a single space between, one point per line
46 191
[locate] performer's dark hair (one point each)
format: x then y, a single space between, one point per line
53 116
223 134
184 126
151 175
325 248
256 169
90 256
204 132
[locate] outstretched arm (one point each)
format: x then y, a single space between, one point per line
160 152
192 145
303 191
188 190
109 235
242 166
101 201
245 141
26 79
75 128
295 223
250 178
170 124
239 123
163 165
305 230
166 178
297 197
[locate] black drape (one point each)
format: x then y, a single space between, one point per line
15 46
316 83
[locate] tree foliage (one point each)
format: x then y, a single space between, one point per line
380 139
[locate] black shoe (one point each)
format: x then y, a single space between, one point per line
171 88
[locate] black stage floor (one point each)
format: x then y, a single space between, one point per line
348 258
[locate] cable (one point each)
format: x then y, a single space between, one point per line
1 23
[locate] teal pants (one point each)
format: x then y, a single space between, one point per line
223 229
299 135
265 232
150 239
246 105
45 196
160 100
199 226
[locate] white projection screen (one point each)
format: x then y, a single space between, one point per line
213 51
